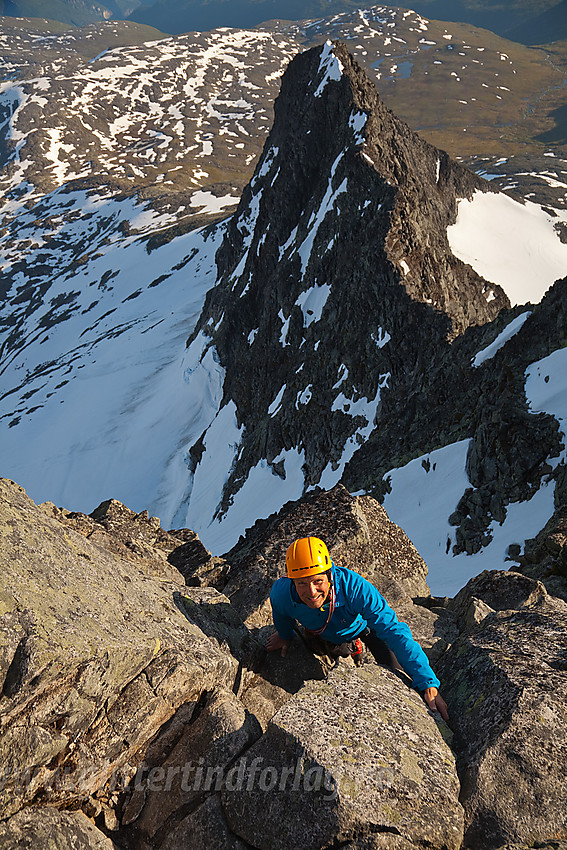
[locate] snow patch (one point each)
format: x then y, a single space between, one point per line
509 331
546 390
342 376
210 203
285 327
425 493
357 123
312 302
319 215
277 402
262 494
221 443
381 338
365 409
304 396
512 244
330 66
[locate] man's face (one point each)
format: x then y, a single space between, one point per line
313 590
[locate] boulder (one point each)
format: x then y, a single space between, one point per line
359 535
166 793
356 760
139 537
433 628
505 681
215 615
203 829
95 656
46 827
498 590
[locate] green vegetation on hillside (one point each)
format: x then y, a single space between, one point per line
88 41
76 13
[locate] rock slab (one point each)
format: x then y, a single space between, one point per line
354 758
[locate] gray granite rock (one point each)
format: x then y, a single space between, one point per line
47 828
505 681
349 759
95 658
199 764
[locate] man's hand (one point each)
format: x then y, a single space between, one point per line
275 642
435 702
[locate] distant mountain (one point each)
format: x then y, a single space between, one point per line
177 16
75 12
340 290
548 26
526 21
513 19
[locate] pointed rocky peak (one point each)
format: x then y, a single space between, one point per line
336 152
336 284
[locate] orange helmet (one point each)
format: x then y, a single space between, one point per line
307 556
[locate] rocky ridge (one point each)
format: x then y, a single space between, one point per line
303 257
512 450
139 712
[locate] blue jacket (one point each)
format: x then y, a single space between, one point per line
357 605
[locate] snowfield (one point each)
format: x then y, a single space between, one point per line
509 243
107 413
425 493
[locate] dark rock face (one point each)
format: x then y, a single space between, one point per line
337 286
510 447
545 557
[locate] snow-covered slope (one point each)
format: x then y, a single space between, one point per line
513 244
425 493
94 395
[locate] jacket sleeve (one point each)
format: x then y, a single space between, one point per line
283 621
398 637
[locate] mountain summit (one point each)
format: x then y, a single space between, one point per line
337 286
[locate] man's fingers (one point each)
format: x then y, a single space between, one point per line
441 706
275 642
435 702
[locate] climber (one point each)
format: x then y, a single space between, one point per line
342 608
